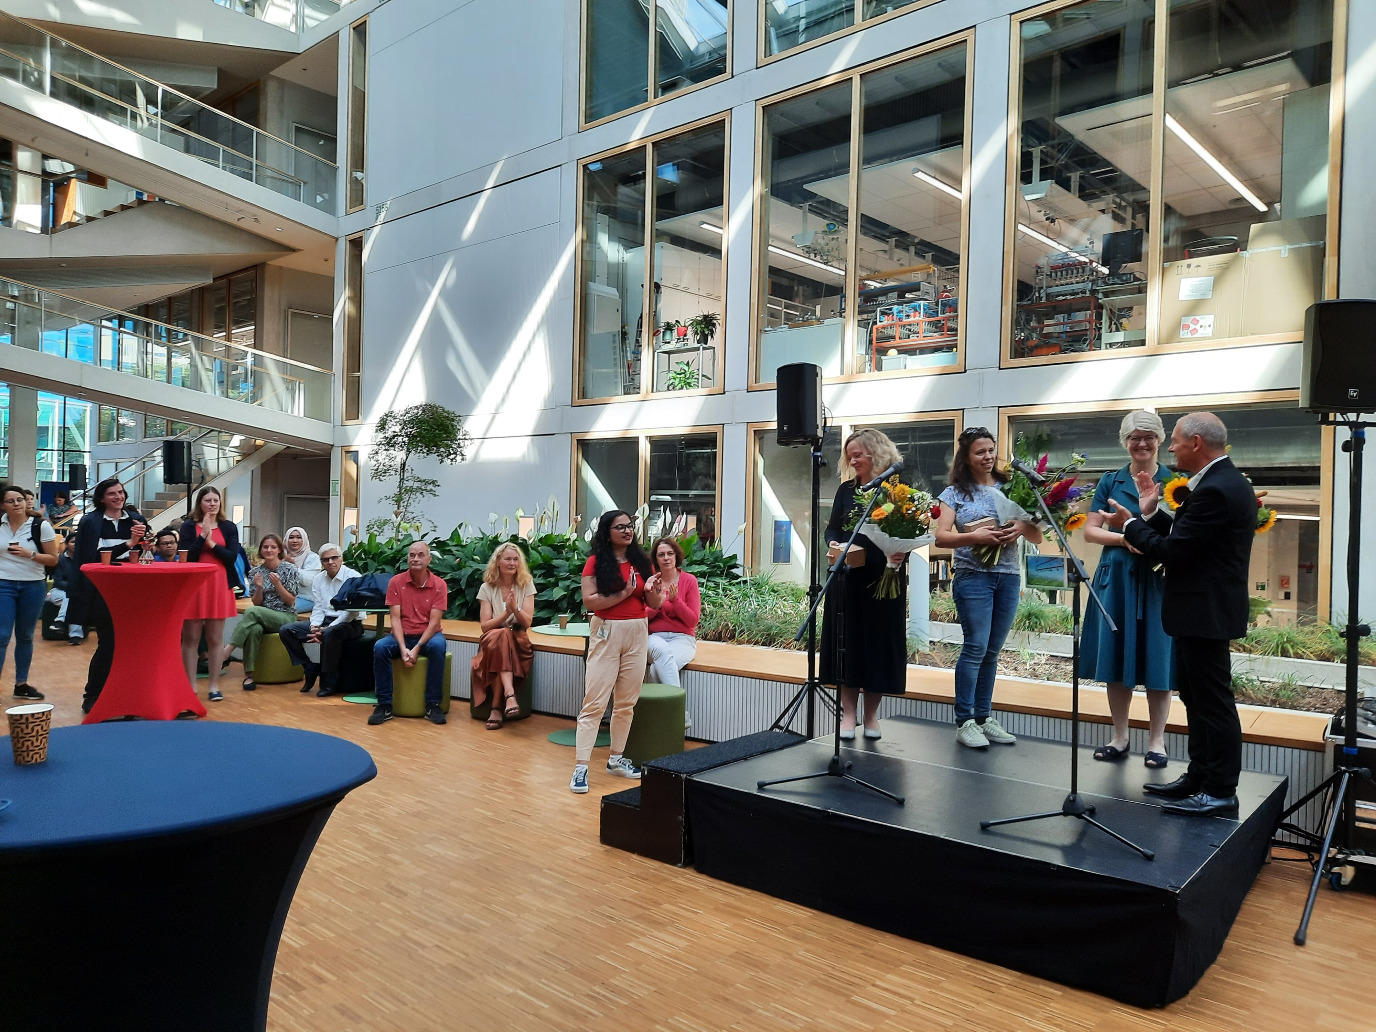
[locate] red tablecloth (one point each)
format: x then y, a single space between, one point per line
147 607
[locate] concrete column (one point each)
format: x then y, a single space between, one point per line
23 439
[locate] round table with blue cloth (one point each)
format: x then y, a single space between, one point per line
1141 653
152 864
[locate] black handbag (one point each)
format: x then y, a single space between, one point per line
366 592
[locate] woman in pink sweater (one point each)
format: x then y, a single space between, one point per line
674 625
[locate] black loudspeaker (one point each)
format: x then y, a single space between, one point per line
76 476
1338 374
798 396
176 462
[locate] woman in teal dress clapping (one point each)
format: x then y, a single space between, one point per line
1140 652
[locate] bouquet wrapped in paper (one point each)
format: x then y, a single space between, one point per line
900 520
1005 512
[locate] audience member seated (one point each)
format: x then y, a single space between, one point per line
674 623
328 627
298 552
31 508
28 547
507 607
60 594
273 585
417 600
207 537
62 514
165 545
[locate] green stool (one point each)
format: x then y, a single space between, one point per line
408 687
274 666
525 693
657 728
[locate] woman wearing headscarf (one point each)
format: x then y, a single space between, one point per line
297 551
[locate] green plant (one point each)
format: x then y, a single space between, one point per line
753 611
704 325
1288 640
1041 617
941 607
683 377
1257 607
401 435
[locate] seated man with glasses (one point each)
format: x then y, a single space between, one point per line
328 627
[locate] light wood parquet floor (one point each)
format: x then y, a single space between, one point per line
465 888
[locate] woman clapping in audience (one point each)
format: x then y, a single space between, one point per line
273 585
507 606
207 537
296 546
674 623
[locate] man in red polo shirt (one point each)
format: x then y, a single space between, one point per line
417 599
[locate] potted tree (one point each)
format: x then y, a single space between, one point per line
703 327
401 436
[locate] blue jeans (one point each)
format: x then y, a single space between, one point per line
387 649
987 603
21 602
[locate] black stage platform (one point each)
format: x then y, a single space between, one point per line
1054 898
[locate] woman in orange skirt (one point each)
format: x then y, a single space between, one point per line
207 537
507 607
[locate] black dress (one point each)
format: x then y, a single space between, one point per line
864 639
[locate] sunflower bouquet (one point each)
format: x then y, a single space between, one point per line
1177 489
900 519
1060 492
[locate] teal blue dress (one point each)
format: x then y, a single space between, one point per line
1141 653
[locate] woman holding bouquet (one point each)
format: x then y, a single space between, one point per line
864 638
986 594
1141 652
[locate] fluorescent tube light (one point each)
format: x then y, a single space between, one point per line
787 254
931 180
1218 166
1058 245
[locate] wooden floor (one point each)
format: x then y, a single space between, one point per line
465 889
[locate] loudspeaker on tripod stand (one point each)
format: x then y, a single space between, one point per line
798 403
1337 373
176 462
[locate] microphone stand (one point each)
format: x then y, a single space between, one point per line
1073 805
836 767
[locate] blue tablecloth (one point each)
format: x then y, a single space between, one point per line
125 781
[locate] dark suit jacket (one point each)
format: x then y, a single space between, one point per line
1206 550
86 605
198 550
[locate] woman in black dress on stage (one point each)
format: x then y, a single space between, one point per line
864 639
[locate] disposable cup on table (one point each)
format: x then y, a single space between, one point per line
29 727
564 622
182 553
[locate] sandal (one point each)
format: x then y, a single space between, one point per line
513 708
494 720
1110 753
1155 760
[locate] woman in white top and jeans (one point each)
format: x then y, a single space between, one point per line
24 566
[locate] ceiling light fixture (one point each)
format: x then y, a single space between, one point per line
1060 247
932 180
786 254
1218 166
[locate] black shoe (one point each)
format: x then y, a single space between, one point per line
86 705
381 714
1178 789
436 715
312 675
325 691
1202 805
27 691
249 685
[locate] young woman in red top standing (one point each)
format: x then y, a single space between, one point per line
615 590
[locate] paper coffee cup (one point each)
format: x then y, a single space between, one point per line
106 557
182 553
29 726
564 622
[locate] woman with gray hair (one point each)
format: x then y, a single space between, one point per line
1140 652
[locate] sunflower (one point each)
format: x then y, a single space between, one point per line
1075 521
1175 492
1266 519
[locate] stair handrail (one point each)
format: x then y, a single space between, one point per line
161 86
138 476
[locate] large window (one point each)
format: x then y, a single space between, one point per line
656 325
795 23
631 44
862 227
781 517
1277 445
356 140
675 476
64 427
1173 197
353 329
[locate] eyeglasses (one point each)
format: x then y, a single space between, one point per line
621 526
971 432
330 558
1150 439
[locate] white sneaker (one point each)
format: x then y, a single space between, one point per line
579 782
623 767
994 731
969 733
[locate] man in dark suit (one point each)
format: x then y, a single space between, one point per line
1205 549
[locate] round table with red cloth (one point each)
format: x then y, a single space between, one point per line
148 605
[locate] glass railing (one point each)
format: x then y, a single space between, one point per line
292 15
33 203
50 65
54 324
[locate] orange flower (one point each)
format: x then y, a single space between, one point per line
1075 521
878 514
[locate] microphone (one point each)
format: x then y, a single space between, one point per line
1027 471
897 467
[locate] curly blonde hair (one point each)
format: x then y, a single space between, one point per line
492 576
883 452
